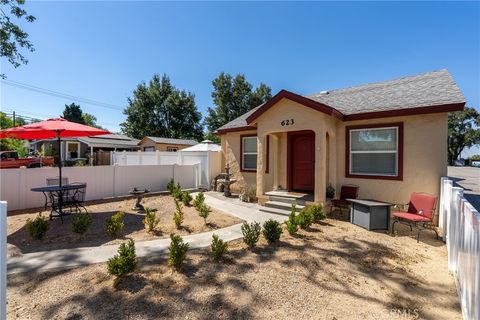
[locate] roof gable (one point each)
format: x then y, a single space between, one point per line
187 142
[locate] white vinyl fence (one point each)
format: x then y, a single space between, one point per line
209 161
461 226
102 181
3 260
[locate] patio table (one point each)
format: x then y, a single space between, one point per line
370 214
58 198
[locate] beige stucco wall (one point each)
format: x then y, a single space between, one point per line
160 146
231 154
424 158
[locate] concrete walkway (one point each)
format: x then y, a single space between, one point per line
65 258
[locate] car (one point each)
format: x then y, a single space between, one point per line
10 159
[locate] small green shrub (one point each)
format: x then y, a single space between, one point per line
81 223
186 198
199 200
150 221
272 230
251 233
291 223
304 218
115 224
248 194
178 215
126 260
204 211
171 186
316 210
219 248
37 228
176 251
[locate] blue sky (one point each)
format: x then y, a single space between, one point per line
102 50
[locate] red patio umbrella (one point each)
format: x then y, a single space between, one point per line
52 128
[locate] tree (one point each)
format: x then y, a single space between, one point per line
232 98
11 35
159 109
73 113
90 120
10 144
463 132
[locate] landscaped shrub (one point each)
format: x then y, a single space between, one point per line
171 186
186 198
37 228
251 233
176 251
81 223
150 221
115 224
126 260
219 248
177 192
291 223
304 218
199 200
248 194
272 230
204 211
316 210
178 214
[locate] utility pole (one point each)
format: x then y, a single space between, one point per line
14 119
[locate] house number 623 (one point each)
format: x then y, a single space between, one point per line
287 122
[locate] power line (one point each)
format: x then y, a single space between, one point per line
58 94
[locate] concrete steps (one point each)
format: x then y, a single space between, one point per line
280 202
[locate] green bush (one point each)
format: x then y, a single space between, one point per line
81 223
291 223
186 198
204 211
126 260
316 210
251 233
176 251
219 248
37 228
304 218
115 224
272 230
199 200
150 221
178 215
171 186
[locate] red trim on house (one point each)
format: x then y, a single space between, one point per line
224 131
241 152
297 98
399 176
406 112
267 155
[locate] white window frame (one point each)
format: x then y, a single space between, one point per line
248 153
67 154
396 151
148 149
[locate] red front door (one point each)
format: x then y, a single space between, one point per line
302 163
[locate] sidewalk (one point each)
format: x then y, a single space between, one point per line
66 258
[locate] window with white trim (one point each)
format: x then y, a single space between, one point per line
374 151
249 153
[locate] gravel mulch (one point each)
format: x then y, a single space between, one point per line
334 270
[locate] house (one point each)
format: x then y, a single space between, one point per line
97 148
165 144
389 138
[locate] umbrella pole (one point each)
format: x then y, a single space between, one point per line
60 199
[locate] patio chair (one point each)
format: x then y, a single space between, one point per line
420 213
347 191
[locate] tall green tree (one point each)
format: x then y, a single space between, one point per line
160 109
10 144
463 132
73 113
232 97
90 120
12 37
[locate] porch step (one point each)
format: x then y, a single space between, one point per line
286 200
275 211
283 205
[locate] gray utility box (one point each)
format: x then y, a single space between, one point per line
370 214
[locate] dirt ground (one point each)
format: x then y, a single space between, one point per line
60 236
334 270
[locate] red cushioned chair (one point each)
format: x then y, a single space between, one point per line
420 213
348 191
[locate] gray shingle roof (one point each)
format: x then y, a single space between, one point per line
428 89
173 141
110 141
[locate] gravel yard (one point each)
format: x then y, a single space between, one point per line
60 236
334 270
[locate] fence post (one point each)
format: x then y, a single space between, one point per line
140 162
124 157
3 258
157 153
